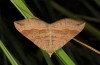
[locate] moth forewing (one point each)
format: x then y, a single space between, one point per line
49 37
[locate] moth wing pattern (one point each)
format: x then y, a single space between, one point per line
64 30
49 37
35 30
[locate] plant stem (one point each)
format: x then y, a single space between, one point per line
25 11
64 57
8 54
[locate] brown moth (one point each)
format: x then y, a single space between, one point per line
49 37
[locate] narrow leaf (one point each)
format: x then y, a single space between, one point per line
21 6
64 57
8 54
26 15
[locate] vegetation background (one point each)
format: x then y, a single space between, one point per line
26 53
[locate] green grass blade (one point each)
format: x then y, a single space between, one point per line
64 57
98 2
62 10
8 54
13 41
48 60
90 8
24 11
60 53
21 6
92 19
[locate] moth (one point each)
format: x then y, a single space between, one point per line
49 37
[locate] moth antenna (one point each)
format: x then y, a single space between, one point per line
89 47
